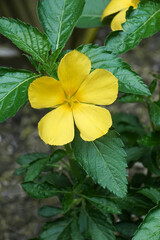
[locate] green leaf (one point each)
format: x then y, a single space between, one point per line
104 161
20 171
153 85
48 211
75 233
13 90
105 205
57 156
150 227
44 190
26 38
57 230
35 169
128 98
58 19
129 81
92 13
99 226
151 193
57 179
152 139
134 153
67 202
141 23
127 229
155 114
136 204
30 157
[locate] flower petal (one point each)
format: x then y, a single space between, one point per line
92 121
115 6
135 3
45 92
72 70
117 21
57 126
100 87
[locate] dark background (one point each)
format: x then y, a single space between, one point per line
19 135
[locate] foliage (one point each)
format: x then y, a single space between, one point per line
90 178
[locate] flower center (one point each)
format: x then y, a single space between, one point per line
71 100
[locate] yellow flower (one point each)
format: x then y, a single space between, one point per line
74 98
120 7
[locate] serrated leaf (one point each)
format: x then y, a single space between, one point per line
26 38
151 193
141 23
129 81
155 114
105 205
150 227
35 169
26 159
57 230
92 13
44 190
104 161
58 19
13 90
99 226
48 211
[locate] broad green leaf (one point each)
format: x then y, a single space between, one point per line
30 157
151 193
75 233
58 19
141 23
150 227
35 169
56 230
127 229
67 202
130 98
92 13
44 190
13 90
26 38
129 81
99 226
105 205
155 114
104 161
48 211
